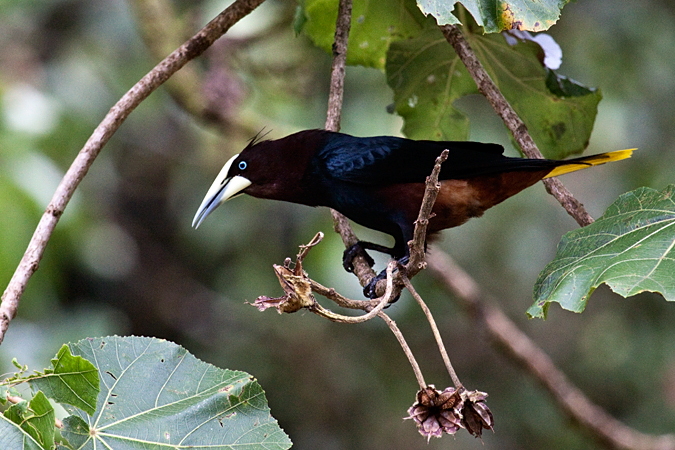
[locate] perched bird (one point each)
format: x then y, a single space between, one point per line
378 182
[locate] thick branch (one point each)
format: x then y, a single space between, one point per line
194 47
526 353
488 88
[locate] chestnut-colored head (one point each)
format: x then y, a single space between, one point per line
271 169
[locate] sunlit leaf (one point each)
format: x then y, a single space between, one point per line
375 24
154 394
527 15
630 248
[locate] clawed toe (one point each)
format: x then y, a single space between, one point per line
350 253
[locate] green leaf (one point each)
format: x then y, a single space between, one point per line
73 380
75 431
36 418
13 437
427 77
494 16
375 24
559 113
630 248
154 394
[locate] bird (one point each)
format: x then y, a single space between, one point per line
379 181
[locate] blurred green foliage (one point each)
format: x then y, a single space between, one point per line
124 259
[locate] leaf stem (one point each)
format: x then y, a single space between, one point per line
406 349
434 329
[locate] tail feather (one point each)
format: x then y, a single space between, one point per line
584 162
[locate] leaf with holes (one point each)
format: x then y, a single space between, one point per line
631 248
525 15
154 394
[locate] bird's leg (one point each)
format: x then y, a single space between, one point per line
360 249
370 290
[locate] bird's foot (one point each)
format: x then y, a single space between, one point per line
350 253
370 289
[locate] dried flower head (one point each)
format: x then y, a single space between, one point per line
436 412
475 413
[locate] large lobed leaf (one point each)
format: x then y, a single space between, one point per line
527 15
154 394
427 77
630 248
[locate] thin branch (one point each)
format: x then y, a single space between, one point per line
337 81
337 73
194 47
406 349
418 244
434 329
488 88
526 353
341 300
384 301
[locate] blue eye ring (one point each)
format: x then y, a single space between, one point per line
242 165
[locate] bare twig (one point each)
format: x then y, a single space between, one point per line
418 244
406 349
488 88
526 353
434 329
341 300
337 80
383 301
337 73
194 47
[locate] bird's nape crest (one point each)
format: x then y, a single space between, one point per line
258 138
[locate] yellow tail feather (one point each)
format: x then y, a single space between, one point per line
590 161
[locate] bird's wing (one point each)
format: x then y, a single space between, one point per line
391 160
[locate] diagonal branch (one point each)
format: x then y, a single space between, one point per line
501 106
194 47
533 359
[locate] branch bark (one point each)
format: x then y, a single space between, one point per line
521 349
194 47
502 107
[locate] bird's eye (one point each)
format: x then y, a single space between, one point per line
242 165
